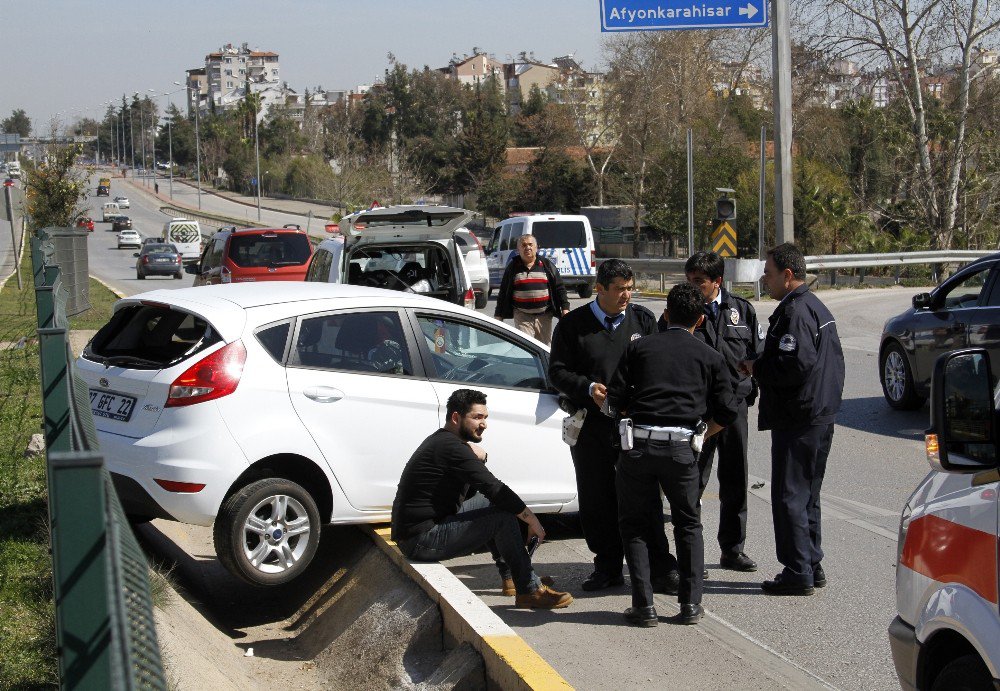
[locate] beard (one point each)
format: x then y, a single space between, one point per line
473 435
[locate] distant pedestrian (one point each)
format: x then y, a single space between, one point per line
531 291
801 378
587 346
156 187
437 513
730 327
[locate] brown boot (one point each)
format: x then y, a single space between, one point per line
510 590
543 598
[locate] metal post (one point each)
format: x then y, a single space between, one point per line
761 204
170 152
142 141
690 171
97 158
256 147
197 144
8 197
131 132
781 47
114 137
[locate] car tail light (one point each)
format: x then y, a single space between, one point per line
214 376
145 259
225 275
470 299
178 259
593 259
185 487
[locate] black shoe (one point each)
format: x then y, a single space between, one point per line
690 614
641 616
779 587
819 576
737 562
600 581
667 585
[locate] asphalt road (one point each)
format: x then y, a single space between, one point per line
834 639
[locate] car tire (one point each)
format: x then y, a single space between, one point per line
585 290
178 275
481 300
140 276
245 529
896 376
966 672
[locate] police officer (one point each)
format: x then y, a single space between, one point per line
587 345
664 387
801 377
731 328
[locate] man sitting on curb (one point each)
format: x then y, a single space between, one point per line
433 519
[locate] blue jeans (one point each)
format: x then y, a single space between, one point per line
477 524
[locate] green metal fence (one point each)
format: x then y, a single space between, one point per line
104 613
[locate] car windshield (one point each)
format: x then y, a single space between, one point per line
559 234
278 249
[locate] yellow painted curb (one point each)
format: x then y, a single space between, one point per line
510 662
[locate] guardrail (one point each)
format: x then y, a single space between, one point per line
105 633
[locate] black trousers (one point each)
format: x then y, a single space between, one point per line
642 472
798 464
731 444
594 460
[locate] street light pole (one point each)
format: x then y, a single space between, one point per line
256 147
197 138
142 141
152 126
170 153
131 136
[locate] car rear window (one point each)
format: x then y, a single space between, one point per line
277 249
150 337
149 249
559 234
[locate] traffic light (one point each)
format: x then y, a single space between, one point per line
725 206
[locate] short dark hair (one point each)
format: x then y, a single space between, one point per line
685 303
610 269
788 256
462 400
708 263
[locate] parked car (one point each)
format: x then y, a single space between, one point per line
235 255
412 249
475 264
121 222
266 410
123 202
963 311
947 628
158 259
129 238
85 222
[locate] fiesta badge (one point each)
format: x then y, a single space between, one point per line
734 316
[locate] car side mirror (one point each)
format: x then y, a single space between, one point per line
922 301
135 254
191 269
962 436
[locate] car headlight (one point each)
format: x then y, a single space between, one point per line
904 526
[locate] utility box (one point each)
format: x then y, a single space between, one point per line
69 253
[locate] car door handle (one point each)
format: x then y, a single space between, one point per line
323 394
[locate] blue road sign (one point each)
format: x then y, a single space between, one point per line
660 15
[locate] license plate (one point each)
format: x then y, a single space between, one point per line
114 406
162 260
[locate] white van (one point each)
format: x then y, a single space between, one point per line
14 169
406 248
185 235
567 241
109 210
947 630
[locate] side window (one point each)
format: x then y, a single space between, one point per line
371 342
215 253
494 241
505 239
273 338
965 293
319 269
464 353
994 299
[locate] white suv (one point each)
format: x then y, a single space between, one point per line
269 409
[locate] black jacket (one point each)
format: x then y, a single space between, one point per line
558 300
736 335
801 371
672 379
584 351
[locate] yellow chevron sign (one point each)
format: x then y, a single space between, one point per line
724 240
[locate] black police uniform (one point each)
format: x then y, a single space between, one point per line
731 329
585 351
671 379
801 379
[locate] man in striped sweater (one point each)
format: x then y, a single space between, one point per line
531 292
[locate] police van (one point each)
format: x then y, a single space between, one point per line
947 632
567 241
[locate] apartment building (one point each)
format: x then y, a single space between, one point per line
472 69
223 81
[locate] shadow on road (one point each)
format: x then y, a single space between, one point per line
874 415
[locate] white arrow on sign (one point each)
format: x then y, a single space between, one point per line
749 11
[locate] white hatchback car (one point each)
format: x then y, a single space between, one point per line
122 202
129 238
269 409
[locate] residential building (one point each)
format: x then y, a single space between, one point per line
472 69
524 73
197 89
227 73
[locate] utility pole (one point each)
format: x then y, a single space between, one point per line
781 53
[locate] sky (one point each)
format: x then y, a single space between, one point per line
67 58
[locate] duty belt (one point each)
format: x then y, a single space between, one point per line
662 433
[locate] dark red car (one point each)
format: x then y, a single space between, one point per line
87 223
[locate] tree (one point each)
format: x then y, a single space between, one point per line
17 123
55 189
